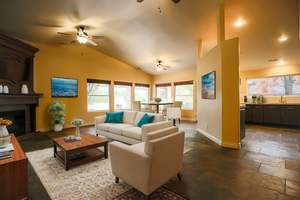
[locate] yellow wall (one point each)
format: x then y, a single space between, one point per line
219 118
209 113
177 77
77 62
230 92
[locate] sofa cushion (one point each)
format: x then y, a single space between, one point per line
133 132
104 126
157 118
117 128
146 119
129 117
114 117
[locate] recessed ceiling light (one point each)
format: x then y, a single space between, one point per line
282 38
281 63
239 23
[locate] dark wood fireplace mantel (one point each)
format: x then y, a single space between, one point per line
16 69
20 99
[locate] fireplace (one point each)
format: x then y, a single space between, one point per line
18 121
16 69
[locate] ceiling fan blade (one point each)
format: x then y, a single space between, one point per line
176 1
74 41
66 34
96 37
92 42
167 66
140 1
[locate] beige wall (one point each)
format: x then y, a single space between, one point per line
77 62
219 118
177 77
269 72
209 113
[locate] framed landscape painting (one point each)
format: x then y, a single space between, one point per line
209 85
64 87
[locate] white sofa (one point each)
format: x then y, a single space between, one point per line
128 131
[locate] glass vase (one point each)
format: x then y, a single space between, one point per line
77 133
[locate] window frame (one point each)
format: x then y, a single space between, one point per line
123 84
141 85
98 81
185 83
164 85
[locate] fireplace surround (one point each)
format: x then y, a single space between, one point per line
16 69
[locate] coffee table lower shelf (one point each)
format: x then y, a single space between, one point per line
90 155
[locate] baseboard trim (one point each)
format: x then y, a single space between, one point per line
232 145
65 127
211 137
188 119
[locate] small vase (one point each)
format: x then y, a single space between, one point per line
3 131
77 133
253 100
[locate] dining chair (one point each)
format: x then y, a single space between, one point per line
178 104
136 106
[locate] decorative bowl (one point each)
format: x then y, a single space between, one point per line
157 101
4 141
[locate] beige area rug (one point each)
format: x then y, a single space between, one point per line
90 181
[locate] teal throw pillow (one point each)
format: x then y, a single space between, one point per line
107 117
146 119
114 117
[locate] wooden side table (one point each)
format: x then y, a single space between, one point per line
14 174
87 146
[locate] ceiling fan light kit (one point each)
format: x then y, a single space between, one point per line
82 37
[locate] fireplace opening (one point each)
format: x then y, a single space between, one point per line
18 121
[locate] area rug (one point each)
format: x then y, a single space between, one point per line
160 193
90 181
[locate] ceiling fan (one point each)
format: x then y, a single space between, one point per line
175 1
82 36
160 67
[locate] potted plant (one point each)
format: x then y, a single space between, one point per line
259 98
157 100
57 109
253 98
77 123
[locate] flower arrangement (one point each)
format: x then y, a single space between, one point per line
57 109
77 122
5 122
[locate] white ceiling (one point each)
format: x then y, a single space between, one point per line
138 35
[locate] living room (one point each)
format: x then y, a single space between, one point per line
189 40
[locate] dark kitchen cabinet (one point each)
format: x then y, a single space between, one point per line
248 114
258 114
290 115
272 114
242 123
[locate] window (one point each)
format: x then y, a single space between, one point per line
184 92
122 95
163 91
142 92
274 86
98 95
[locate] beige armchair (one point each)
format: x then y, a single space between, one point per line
147 166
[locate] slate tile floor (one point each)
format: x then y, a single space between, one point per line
266 167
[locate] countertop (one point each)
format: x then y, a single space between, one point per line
281 104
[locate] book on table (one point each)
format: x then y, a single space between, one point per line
5 154
70 138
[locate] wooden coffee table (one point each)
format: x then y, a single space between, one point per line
87 146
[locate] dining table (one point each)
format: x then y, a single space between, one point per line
157 105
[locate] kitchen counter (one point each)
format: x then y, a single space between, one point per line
275 104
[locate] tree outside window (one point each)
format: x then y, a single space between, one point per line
274 86
98 96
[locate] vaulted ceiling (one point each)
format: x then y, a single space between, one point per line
139 35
